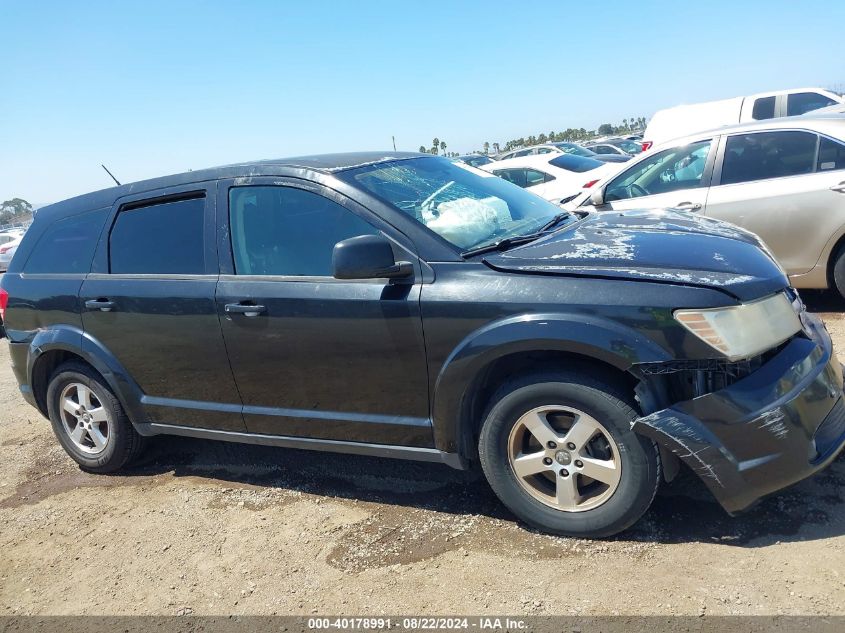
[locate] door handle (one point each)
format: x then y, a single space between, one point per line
245 309
688 206
840 188
103 305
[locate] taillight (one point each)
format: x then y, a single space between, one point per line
591 183
647 145
4 301
4 249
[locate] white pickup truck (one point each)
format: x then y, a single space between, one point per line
689 119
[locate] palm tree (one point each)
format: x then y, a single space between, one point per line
495 148
443 147
422 149
486 147
435 145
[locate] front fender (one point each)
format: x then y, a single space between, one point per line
594 337
72 339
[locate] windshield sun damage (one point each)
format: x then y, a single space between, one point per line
465 206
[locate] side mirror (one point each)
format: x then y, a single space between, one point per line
367 257
597 197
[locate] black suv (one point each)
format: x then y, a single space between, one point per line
407 306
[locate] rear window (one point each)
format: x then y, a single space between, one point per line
631 147
763 155
67 246
578 164
163 238
831 155
802 102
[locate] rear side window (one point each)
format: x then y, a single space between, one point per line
515 175
764 108
534 177
163 238
831 155
68 245
288 231
763 155
802 102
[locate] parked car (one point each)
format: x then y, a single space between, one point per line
9 236
687 119
476 160
621 146
407 306
561 148
555 177
782 179
7 251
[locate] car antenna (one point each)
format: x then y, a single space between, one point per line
110 174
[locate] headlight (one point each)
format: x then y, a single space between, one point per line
745 330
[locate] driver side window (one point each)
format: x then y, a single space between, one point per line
277 230
666 171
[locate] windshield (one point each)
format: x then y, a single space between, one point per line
465 206
572 148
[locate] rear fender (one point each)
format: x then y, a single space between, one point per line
74 340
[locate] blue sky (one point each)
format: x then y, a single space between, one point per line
150 88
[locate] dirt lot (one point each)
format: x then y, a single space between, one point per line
211 528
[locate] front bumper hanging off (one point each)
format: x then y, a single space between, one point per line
775 427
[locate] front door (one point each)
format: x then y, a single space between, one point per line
314 356
676 177
149 302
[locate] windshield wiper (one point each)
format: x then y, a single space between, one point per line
516 240
560 217
503 244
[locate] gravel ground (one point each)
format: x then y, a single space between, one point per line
213 528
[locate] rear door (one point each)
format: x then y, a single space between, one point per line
677 177
788 186
149 301
318 357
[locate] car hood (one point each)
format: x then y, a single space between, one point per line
665 246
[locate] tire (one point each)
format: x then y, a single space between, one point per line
570 504
839 272
110 442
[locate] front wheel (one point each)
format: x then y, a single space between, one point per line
839 272
558 450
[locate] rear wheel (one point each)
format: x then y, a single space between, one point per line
89 421
558 450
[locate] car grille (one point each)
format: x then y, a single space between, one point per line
686 379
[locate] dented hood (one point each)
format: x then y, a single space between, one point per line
666 246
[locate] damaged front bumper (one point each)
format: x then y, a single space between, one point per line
770 429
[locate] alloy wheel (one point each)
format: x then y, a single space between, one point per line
564 458
84 418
